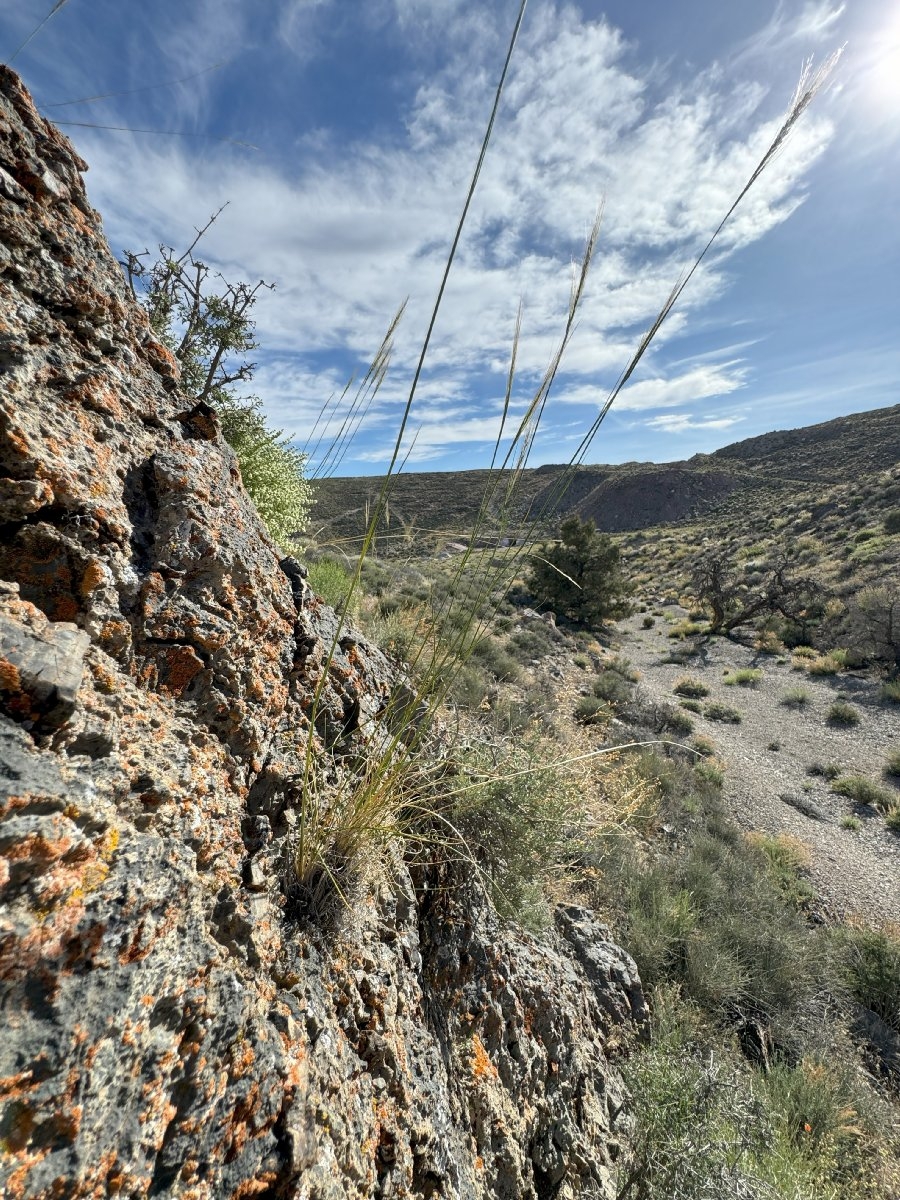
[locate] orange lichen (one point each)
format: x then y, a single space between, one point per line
10 679
94 575
482 1067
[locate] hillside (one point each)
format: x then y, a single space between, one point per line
618 498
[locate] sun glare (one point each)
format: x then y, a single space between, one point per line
881 69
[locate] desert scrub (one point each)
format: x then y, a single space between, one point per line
648 622
330 579
842 714
826 664
703 745
693 688
862 790
871 963
826 770
722 712
795 697
613 687
745 677
890 691
693 706
787 859
591 710
892 764
850 822
686 629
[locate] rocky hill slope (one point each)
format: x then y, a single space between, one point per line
174 1023
631 496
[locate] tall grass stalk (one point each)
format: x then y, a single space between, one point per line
375 805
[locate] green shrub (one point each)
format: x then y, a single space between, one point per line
796 697
330 580
693 688
612 686
722 712
862 790
871 960
693 706
648 622
843 714
579 575
590 710
892 764
850 822
892 521
826 770
890 691
703 745
746 677
678 723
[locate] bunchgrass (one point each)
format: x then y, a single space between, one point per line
716 711
843 715
745 677
688 686
862 790
795 697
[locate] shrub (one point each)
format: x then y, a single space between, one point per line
890 691
703 745
678 723
722 712
746 677
850 822
579 575
685 629
796 697
862 790
892 521
648 622
892 764
687 686
205 321
827 771
826 664
843 714
871 960
590 710
693 706
611 686
330 580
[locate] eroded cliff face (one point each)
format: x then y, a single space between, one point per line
171 1025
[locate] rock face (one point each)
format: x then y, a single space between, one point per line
172 1026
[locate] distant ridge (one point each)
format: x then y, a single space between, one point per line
628 496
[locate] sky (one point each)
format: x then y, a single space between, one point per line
342 135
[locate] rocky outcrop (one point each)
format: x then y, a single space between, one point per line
173 1023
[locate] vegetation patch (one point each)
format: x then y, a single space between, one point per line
688 686
862 790
746 677
843 714
722 712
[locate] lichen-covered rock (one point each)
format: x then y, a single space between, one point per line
171 1027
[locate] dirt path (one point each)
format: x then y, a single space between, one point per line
856 872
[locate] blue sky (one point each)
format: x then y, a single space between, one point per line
365 118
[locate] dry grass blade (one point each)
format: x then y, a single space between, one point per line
37 29
150 87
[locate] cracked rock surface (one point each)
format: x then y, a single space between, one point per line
171 1026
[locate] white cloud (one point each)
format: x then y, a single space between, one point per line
348 236
687 422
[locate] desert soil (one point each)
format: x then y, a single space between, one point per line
855 872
